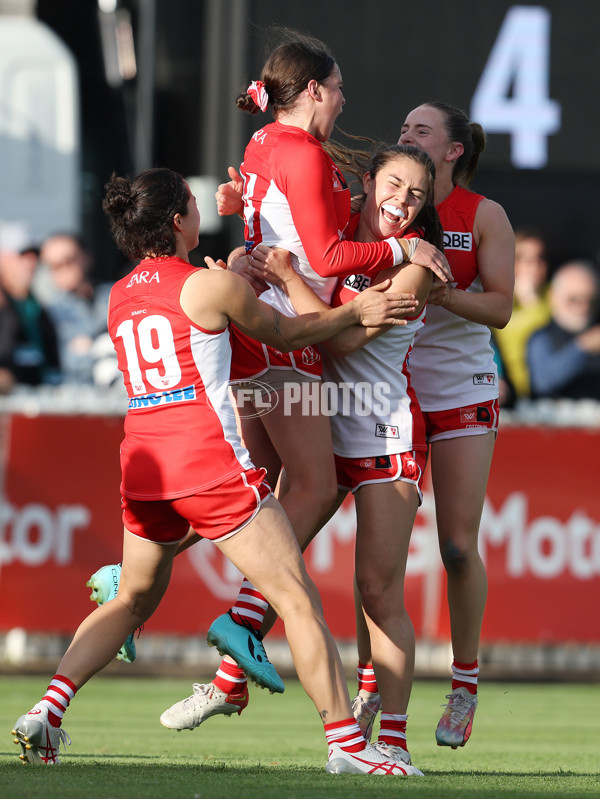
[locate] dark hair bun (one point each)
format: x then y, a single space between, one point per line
118 198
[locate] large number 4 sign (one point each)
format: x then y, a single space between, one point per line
512 93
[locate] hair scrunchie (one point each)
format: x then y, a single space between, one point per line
259 94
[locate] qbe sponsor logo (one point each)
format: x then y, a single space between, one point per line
460 240
357 283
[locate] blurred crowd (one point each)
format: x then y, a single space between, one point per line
53 325
551 346
53 320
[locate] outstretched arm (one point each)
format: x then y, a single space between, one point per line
214 297
410 283
323 245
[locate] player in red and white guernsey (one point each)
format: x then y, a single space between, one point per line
183 464
453 372
378 431
295 197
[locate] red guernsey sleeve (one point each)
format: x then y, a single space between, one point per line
305 178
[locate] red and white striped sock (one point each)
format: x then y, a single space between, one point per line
229 677
346 734
365 676
250 606
392 730
57 698
464 675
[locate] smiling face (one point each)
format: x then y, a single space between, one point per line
425 128
394 198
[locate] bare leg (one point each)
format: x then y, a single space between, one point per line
270 615
460 469
267 553
305 448
385 516
262 451
363 639
307 486
144 579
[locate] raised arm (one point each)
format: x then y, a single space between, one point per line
306 183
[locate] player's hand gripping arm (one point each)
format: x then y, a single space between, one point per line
411 283
212 298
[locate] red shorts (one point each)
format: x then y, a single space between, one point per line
250 358
216 514
352 473
471 420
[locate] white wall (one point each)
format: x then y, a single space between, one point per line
39 129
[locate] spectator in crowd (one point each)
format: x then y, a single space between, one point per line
28 341
564 356
531 309
77 306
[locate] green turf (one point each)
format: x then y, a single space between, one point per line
537 740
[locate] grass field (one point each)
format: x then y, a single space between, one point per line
534 740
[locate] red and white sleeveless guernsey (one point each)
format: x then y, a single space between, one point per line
378 412
180 427
452 361
296 198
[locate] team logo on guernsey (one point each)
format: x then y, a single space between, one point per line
310 356
460 240
387 431
186 394
357 283
487 379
